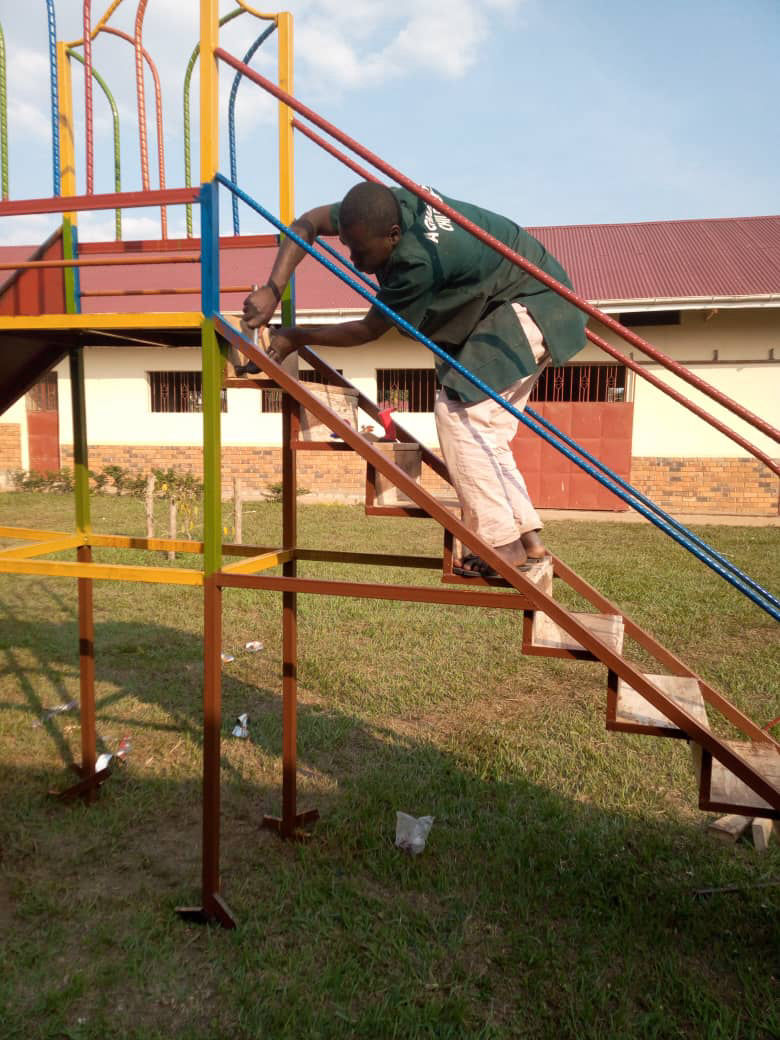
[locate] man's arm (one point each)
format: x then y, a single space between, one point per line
347 334
260 305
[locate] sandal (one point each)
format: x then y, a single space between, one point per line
472 566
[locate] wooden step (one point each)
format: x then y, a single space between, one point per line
629 712
721 791
540 574
406 507
542 637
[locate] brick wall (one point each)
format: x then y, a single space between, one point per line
10 446
708 485
680 485
321 472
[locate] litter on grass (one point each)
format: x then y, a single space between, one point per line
411 832
253 646
226 657
58 709
241 728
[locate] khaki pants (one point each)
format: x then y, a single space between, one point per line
474 440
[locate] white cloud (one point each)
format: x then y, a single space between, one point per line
366 44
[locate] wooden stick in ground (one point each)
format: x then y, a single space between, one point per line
238 510
172 524
150 480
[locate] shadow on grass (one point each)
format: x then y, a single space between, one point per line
529 914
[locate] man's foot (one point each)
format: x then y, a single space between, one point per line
249 369
534 546
471 566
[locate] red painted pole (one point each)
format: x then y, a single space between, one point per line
505 251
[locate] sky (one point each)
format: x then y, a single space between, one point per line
552 112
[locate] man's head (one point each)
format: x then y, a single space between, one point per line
370 225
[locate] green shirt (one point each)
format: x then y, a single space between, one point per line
459 293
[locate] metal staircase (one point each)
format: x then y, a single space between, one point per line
734 775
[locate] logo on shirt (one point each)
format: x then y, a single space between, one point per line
434 221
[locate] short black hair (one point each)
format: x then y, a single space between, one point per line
372 205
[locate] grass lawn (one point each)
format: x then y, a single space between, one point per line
558 893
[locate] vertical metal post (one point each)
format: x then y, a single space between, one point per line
213 908
291 819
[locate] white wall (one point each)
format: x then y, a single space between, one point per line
119 407
732 351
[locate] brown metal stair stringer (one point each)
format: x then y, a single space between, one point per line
538 598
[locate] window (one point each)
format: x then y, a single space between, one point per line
272 399
179 392
632 319
406 389
593 383
43 396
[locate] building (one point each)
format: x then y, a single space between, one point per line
705 292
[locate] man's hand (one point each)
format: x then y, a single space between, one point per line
283 343
259 306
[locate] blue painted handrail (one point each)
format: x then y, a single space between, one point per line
705 556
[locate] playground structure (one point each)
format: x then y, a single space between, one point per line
41 323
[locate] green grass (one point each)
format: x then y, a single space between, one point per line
557 896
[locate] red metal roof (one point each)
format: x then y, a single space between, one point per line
676 259
671 259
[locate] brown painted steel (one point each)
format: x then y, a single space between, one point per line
538 598
374 590
662 654
212 719
371 408
87 675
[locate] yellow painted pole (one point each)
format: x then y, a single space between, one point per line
284 32
209 91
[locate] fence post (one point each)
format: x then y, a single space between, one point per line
150 481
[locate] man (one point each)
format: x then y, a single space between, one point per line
494 318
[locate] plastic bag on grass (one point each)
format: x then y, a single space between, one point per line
411 832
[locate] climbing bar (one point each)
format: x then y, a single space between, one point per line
119 261
592 336
3 121
55 108
115 117
88 113
140 95
158 109
401 323
186 99
232 119
505 251
127 200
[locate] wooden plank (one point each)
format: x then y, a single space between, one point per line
633 709
727 789
607 627
729 828
762 830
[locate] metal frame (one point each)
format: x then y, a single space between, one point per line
517 591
